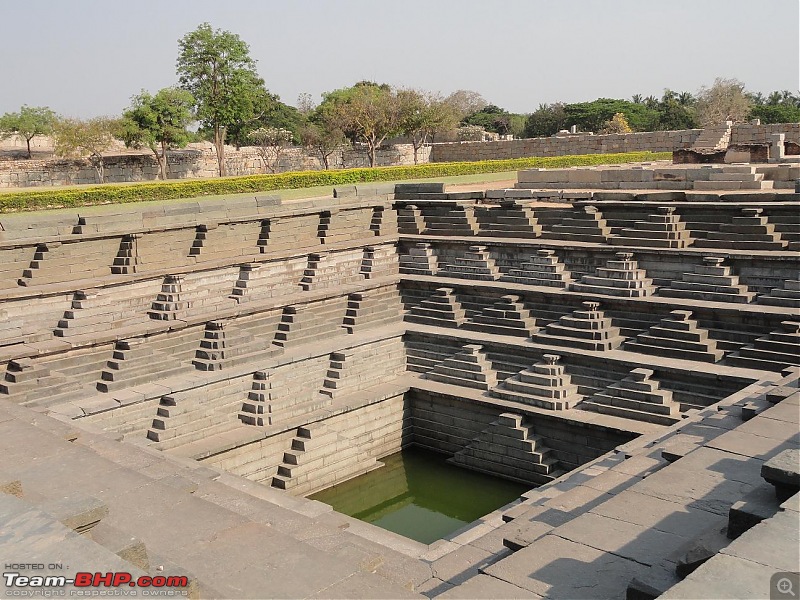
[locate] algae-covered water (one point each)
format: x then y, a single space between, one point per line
420 496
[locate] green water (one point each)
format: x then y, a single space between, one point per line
420 496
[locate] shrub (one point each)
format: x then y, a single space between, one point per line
170 190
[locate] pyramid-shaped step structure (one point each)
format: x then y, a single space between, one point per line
544 384
372 308
735 177
510 448
508 220
750 231
476 263
620 277
224 345
585 225
268 280
134 362
311 322
788 295
409 220
329 269
442 309
449 219
318 458
93 311
470 367
543 269
774 352
274 398
636 397
677 336
507 316
383 222
661 230
587 328
711 281
379 261
169 304
420 260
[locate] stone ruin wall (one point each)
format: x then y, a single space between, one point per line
586 143
199 160
196 162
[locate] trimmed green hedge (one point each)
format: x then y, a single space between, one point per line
169 190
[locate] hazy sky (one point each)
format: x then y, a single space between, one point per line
88 57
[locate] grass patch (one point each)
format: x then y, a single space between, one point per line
171 190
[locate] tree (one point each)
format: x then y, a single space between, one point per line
724 101
215 66
158 122
322 132
366 112
423 116
778 107
29 122
496 119
466 102
74 137
617 124
271 143
547 120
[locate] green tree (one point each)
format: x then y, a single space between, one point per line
546 120
215 66
592 116
726 100
423 116
158 122
367 112
74 137
29 122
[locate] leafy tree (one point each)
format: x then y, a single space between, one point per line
322 139
498 120
366 112
592 116
466 102
271 143
158 122
672 115
268 112
778 107
546 120
724 101
423 116
215 66
617 124
29 122
74 137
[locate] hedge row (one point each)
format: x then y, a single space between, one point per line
168 190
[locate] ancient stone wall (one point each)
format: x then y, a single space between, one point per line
196 161
587 143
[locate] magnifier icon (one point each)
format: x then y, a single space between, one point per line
785 586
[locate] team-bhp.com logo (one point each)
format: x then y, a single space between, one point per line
157 585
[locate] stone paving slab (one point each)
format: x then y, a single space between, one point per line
724 578
559 568
774 542
484 587
636 542
670 517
